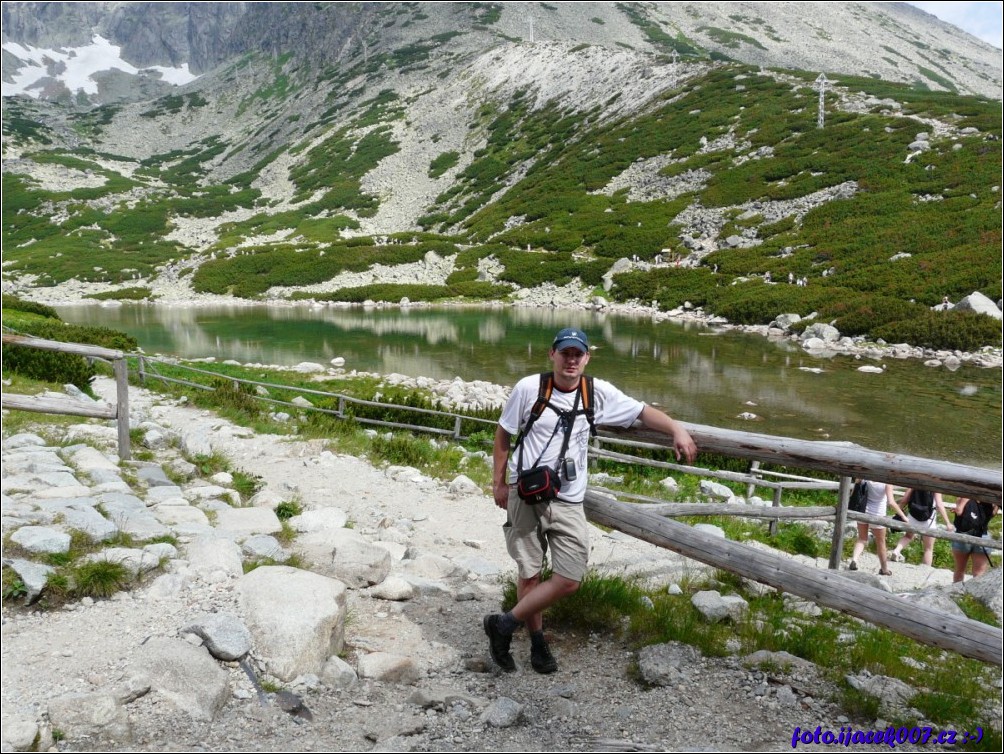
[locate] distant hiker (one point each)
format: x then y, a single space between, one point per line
971 517
920 506
542 482
878 495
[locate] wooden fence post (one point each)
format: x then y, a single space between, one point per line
751 487
121 369
840 523
776 504
141 370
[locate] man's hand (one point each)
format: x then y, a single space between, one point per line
684 445
501 492
500 457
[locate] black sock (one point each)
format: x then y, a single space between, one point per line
537 639
508 624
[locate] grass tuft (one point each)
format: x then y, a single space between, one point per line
100 578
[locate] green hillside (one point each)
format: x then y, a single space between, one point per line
881 230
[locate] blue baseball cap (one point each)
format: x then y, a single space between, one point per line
570 338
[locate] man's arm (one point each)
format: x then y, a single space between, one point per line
683 444
500 474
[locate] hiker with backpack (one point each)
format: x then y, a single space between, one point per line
920 506
972 517
541 483
877 496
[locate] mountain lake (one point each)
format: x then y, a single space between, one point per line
695 373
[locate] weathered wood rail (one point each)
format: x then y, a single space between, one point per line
824 587
840 458
119 411
147 370
660 507
844 459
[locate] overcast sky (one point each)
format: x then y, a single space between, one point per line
983 20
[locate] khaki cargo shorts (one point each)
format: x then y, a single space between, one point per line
558 527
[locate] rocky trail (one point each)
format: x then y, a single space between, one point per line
375 644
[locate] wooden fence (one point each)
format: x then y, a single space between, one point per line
147 369
119 411
824 587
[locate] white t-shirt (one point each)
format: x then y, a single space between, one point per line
876 505
610 406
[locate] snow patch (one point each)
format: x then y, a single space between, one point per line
75 67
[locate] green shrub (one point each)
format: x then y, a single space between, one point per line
964 331
96 336
669 287
48 366
16 304
138 293
287 509
442 163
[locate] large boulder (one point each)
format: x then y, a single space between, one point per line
977 302
211 554
389 668
668 664
715 607
41 539
297 619
988 590
92 717
785 321
826 333
186 676
246 521
225 635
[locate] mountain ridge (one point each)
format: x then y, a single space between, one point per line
428 128
205 35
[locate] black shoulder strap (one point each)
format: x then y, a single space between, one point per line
544 391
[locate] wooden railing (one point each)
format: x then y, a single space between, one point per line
827 588
824 587
147 369
118 411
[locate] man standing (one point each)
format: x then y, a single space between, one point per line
558 439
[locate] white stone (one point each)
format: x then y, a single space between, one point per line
297 618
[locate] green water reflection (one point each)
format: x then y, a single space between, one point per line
695 373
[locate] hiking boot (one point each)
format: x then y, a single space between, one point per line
498 643
896 557
541 659
852 566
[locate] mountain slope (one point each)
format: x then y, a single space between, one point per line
342 131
